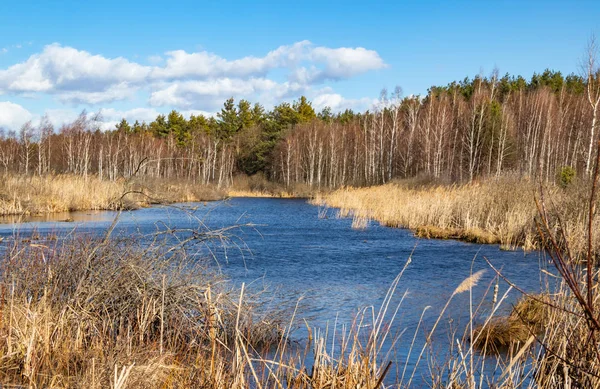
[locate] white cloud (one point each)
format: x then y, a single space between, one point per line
68 72
13 116
212 93
198 80
122 91
201 65
338 103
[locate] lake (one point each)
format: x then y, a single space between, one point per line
301 252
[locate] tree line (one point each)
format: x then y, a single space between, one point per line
480 127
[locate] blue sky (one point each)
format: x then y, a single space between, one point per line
136 59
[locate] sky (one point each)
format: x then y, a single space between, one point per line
137 59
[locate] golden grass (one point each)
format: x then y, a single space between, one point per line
32 195
258 186
121 313
98 314
257 194
499 211
48 194
529 316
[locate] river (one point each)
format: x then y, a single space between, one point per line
301 252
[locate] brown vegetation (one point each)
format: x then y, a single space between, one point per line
528 318
33 195
499 210
120 313
258 186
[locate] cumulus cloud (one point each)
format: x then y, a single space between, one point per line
59 69
338 103
183 65
198 80
211 93
13 116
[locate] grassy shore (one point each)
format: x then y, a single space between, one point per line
122 313
128 313
133 312
34 195
500 211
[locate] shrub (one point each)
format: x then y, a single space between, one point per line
566 176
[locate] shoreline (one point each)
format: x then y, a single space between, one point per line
495 211
37 196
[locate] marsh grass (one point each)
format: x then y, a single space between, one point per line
528 318
258 185
128 313
134 312
34 195
499 211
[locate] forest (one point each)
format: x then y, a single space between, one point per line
467 130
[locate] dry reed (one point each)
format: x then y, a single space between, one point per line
34 195
498 211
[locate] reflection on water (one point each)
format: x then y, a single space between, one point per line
336 270
59 217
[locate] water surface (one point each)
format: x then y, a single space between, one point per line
335 270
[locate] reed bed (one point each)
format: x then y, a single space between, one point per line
48 194
33 195
146 312
258 185
500 211
127 312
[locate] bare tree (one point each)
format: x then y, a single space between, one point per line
26 134
592 74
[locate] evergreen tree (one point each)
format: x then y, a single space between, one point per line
229 123
178 126
304 109
123 126
159 127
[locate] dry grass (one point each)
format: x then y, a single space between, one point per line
495 211
87 313
129 313
47 194
33 195
156 191
529 316
242 193
258 186
132 313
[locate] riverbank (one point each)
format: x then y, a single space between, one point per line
39 195
129 313
136 311
35 195
124 312
497 211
